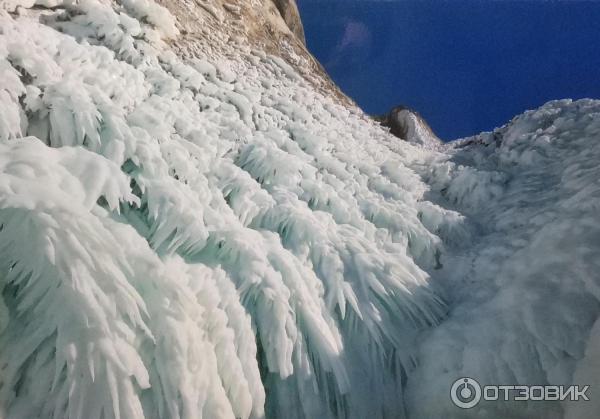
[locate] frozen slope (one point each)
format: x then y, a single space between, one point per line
177 232
524 290
191 226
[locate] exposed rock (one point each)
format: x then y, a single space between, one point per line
269 26
408 125
291 16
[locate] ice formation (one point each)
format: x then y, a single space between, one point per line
525 290
193 233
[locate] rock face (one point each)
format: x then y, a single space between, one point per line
408 125
291 15
272 26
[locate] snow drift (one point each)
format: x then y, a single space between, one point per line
198 229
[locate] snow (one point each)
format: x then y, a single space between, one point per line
417 131
525 294
211 237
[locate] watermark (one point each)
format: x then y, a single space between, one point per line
466 393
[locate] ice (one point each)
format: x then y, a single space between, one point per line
212 237
526 292
153 13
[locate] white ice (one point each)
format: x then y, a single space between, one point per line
210 237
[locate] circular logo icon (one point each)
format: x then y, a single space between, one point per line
465 393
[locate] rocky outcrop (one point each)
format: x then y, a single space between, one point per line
408 125
271 26
291 16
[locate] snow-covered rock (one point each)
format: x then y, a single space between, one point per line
408 125
195 223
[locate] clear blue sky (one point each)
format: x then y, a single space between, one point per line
466 65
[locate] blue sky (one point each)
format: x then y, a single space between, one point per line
466 65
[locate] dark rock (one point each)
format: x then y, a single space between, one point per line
291 15
408 125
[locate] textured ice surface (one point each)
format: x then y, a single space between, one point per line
524 291
210 237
